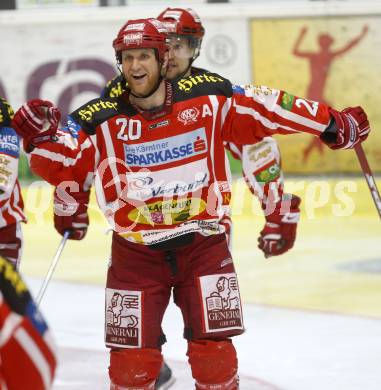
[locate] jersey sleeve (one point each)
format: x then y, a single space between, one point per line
70 158
73 156
262 170
27 351
9 159
9 152
253 113
234 149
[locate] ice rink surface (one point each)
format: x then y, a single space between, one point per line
312 316
282 349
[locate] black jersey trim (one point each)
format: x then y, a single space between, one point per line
200 85
99 110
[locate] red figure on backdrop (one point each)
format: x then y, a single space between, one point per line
319 64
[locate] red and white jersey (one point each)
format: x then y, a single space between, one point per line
261 162
27 353
11 203
261 166
161 174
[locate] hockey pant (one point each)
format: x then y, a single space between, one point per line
139 284
11 243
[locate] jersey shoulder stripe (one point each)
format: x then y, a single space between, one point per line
99 110
201 85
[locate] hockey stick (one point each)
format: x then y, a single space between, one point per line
52 268
369 177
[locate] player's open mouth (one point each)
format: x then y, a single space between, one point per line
138 77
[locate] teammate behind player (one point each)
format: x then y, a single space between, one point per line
11 202
27 353
162 182
261 162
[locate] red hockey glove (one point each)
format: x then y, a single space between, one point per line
71 214
279 233
351 127
36 121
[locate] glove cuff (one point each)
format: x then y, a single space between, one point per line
67 203
286 210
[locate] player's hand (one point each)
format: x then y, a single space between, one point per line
279 233
36 121
352 127
70 213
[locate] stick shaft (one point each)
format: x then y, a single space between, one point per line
52 267
369 177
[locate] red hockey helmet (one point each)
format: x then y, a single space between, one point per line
139 34
184 22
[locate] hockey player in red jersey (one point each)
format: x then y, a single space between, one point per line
261 162
156 155
11 202
27 353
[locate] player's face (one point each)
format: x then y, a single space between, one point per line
180 54
141 70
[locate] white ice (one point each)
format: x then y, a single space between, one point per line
281 348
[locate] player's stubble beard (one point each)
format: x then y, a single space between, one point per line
153 80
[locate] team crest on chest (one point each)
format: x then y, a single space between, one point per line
189 115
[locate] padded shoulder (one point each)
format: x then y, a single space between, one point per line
94 113
6 113
115 87
200 85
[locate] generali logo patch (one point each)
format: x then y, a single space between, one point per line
123 318
189 115
221 302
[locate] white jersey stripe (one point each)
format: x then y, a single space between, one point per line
215 106
35 355
16 203
11 211
66 161
90 176
12 321
111 152
299 119
234 149
265 122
